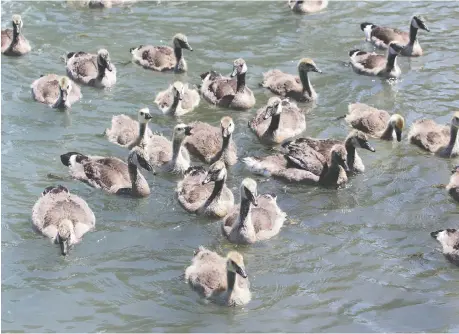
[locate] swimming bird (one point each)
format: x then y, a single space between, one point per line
227 92
91 69
278 121
55 91
13 41
109 173
375 122
307 6
219 279
178 99
453 185
163 58
372 64
128 133
197 194
209 143
435 138
246 224
382 36
63 217
298 88
449 240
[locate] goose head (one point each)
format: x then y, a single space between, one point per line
455 119
367 27
397 123
339 156
180 41
137 158
17 23
65 86
235 264
418 22
54 190
359 139
178 89
274 106
239 67
64 235
181 131
306 65
395 48
449 238
227 126
455 169
103 60
144 116
249 191
216 172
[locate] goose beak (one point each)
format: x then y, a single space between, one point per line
435 234
455 169
188 130
64 246
148 116
268 112
233 74
241 272
316 69
109 66
207 179
398 133
368 147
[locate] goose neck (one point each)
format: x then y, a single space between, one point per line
391 61
413 34
231 281
388 132
175 104
240 82
244 213
350 154
274 125
176 145
453 137
178 54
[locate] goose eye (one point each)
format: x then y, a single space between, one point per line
141 113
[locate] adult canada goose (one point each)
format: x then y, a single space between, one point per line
128 133
197 194
247 225
163 58
278 121
370 63
55 91
382 36
110 174
355 139
209 143
435 138
449 240
178 99
13 41
91 69
63 217
307 6
295 166
222 280
169 157
298 88
453 185
227 92
376 122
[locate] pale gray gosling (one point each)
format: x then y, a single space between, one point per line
453 185
375 122
449 240
178 99
55 91
278 121
90 69
210 144
196 193
298 88
111 174
382 36
221 280
128 133
62 217
372 64
307 6
435 138
163 58
13 41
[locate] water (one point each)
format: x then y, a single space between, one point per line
356 259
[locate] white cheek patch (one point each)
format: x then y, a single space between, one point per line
244 68
442 237
367 30
414 24
72 160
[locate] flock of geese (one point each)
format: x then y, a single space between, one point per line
65 217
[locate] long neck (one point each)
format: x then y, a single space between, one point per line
133 174
175 103
16 33
240 82
59 102
453 137
216 192
142 131
176 144
274 125
100 71
305 82
387 134
224 150
231 281
244 213
350 154
413 33
178 54
391 60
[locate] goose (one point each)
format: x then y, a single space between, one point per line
128 133
55 91
372 64
278 121
375 122
298 88
209 143
382 36
178 99
110 174
221 280
163 58
169 157
355 139
227 92
449 240
247 225
307 6
453 186
62 217
435 138
13 41
296 166
90 69
196 194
